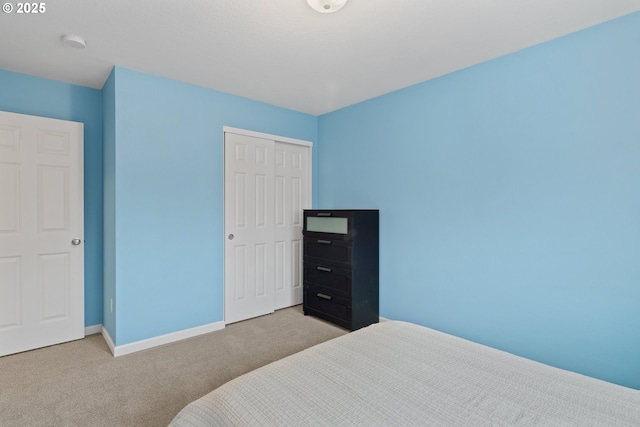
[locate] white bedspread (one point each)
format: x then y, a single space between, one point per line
397 373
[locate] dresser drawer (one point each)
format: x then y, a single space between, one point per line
324 303
335 278
328 224
330 250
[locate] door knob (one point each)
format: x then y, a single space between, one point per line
231 236
76 242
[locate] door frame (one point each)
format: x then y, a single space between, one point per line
274 138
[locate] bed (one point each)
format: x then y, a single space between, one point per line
398 373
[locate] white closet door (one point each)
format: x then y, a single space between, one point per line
292 195
249 227
41 232
267 185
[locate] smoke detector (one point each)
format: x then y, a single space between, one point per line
326 6
74 41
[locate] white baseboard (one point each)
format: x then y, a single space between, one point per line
108 340
121 350
93 329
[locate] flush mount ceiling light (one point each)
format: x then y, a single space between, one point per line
327 6
74 41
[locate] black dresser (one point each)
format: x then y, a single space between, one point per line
341 266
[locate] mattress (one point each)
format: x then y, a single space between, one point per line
398 373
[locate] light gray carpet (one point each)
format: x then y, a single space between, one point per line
82 384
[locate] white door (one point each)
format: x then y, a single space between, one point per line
249 228
292 195
267 184
41 232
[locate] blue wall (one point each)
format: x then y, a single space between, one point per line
109 163
510 199
164 174
24 94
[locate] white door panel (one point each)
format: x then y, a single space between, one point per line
293 194
41 212
249 274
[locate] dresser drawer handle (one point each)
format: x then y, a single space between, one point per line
324 214
325 242
324 296
327 269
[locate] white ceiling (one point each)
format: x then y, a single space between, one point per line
281 51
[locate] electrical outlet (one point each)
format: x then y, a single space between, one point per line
111 304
